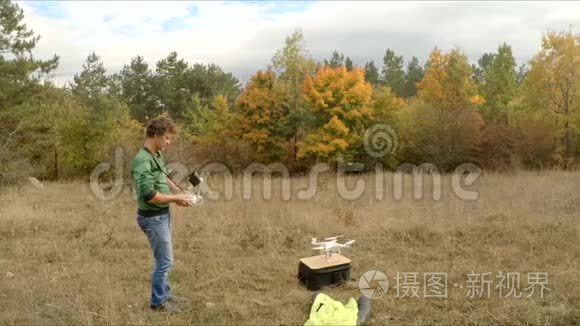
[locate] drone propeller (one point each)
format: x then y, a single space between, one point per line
334 238
318 248
346 244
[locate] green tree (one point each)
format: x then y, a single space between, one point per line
137 88
197 118
499 83
57 136
223 117
170 84
372 73
293 63
386 109
348 64
434 135
521 74
20 78
210 81
482 63
413 75
107 117
336 60
393 74
92 81
20 71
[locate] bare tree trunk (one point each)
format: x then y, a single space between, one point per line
568 140
55 164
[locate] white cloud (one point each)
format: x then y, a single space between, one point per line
242 37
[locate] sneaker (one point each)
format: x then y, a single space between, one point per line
166 307
177 299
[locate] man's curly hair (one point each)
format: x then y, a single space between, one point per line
160 126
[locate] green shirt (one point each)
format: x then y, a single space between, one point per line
149 177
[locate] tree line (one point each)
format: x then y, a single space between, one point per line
297 110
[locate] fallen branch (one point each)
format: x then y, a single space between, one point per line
10 136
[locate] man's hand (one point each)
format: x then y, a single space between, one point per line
184 200
182 203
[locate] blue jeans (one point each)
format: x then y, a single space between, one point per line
158 231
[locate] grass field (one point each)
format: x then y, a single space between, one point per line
67 257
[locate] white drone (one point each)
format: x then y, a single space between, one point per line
330 246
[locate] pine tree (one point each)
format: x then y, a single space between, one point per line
348 64
393 75
136 88
92 81
372 73
20 76
336 60
499 83
413 75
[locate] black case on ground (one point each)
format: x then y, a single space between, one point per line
314 279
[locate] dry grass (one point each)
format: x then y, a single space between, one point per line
79 260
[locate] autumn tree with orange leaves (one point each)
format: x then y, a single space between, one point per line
261 116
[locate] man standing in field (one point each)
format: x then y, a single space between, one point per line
155 191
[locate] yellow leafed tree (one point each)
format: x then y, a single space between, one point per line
553 82
261 116
340 101
447 83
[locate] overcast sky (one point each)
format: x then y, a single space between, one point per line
242 36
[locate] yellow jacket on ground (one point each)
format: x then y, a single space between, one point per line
326 311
